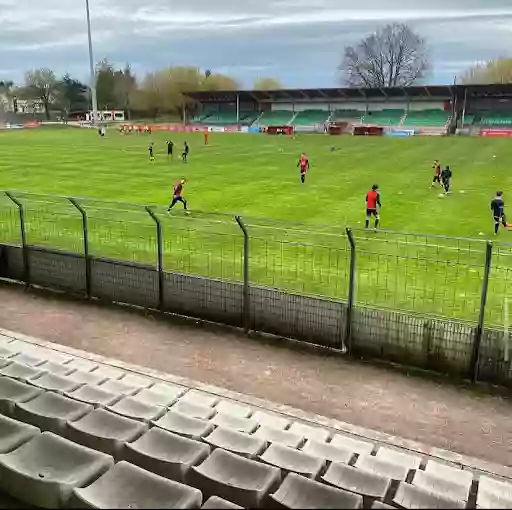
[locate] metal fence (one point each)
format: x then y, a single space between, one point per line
425 276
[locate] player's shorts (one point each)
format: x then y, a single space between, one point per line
303 171
500 219
372 212
437 178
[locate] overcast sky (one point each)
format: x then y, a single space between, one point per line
297 41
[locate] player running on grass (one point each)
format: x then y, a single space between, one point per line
437 176
446 179
170 147
498 211
184 154
373 206
303 164
150 150
176 195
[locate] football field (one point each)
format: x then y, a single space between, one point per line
298 239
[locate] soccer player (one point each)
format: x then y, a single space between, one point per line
150 150
186 150
437 176
446 177
170 147
303 164
372 205
205 135
498 211
176 195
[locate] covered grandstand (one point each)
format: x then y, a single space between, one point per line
439 109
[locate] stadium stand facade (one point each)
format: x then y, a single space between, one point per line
141 444
428 110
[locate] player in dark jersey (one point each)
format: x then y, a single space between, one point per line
373 205
170 147
498 211
303 164
186 150
446 179
150 150
437 176
176 195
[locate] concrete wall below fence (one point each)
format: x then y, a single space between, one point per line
435 343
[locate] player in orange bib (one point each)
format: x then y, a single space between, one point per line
303 164
206 135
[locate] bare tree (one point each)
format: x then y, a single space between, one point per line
393 56
41 84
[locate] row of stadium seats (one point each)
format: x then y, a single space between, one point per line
389 117
311 117
496 118
430 118
75 432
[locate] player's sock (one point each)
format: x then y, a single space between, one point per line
376 223
367 224
496 227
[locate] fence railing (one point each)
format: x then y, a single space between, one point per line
424 275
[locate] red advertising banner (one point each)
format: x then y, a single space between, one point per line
497 133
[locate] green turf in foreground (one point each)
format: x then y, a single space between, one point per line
302 247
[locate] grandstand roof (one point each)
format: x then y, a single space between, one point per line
441 92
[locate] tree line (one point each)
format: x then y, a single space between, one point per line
159 92
394 55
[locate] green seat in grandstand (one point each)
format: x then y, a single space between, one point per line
496 118
311 117
430 118
469 119
276 118
348 114
389 117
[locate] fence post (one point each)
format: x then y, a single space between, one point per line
159 255
351 292
246 310
87 258
24 246
475 355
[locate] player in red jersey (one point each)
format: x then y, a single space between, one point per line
373 205
303 164
437 176
176 195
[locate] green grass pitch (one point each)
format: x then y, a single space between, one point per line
301 245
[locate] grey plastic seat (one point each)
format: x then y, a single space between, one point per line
216 503
95 396
129 486
327 451
138 381
235 409
4 362
235 478
236 442
378 505
89 378
193 410
399 458
199 398
375 465
166 454
83 364
357 480
50 411
292 460
105 431
438 485
29 360
299 492
233 422
271 420
411 496
454 474
110 372
14 433
44 471
56 383
115 386
494 493
279 436
7 352
12 392
352 444
183 425
21 372
136 410
309 432
56 368
161 394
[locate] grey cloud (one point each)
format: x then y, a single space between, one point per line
298 41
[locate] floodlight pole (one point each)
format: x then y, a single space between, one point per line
94 98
